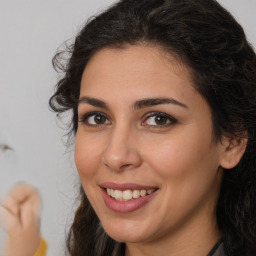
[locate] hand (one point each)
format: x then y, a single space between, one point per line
20 216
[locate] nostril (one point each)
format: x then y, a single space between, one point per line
124 166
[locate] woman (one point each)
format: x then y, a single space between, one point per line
19 214
163 96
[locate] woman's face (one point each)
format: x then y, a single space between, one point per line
145 137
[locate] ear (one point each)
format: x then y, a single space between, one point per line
233 150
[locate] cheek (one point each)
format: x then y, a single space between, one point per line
87 155
187 161
87 160
189 176
177 155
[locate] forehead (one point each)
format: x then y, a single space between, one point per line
136 70
136 58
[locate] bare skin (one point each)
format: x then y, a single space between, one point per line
141 121
19 215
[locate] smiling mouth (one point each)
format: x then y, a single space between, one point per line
128 195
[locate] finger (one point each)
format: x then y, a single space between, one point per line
30 210
21 194
7 218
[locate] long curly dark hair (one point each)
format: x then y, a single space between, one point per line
208 39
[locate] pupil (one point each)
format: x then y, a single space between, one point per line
99 119
160 120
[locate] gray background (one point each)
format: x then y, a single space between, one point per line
30 33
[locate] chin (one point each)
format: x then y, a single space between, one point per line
127 233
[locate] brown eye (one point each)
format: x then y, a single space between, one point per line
95 119
99 119
160 120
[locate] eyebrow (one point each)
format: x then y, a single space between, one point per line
156 101
148 102
94 102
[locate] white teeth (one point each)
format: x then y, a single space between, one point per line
127 195
118 195
143 192
150 191
136 194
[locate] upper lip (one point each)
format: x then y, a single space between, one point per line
126 186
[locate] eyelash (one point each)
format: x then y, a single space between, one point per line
84 118
171 120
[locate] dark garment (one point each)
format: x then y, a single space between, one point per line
217 250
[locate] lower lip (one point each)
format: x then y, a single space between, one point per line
125 206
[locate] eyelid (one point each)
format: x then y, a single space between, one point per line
82 118
169 117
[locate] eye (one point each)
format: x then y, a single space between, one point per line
159 119
95 119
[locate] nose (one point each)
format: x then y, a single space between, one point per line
121 151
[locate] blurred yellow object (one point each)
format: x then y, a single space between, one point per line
42 248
